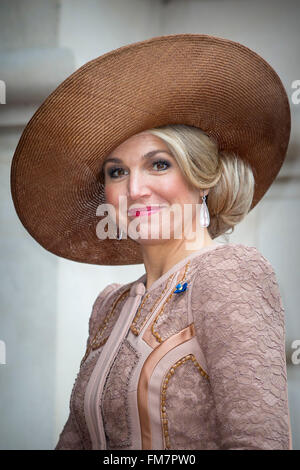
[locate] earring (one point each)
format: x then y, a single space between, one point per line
204 214
120 235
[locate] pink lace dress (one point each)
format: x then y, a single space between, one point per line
202 368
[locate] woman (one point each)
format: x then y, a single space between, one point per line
191 355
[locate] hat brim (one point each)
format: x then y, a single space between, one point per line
218 85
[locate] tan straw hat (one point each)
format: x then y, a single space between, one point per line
218 85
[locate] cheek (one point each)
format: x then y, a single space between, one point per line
111 195
178 190
172 187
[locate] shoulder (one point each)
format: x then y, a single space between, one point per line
103 294
232 258
235 275
105 301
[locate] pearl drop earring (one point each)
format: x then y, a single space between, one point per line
204 214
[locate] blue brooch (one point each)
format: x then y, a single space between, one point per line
180 288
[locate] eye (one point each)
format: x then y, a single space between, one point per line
162 162
112 171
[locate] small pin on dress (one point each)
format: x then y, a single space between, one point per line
180 288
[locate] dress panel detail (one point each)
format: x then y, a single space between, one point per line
77 397
102 329
161 365
146 372
169 313
147 306
172 314
171 395
99 305
115 406
94 390
76 427
241 329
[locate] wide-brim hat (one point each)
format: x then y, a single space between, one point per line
218 85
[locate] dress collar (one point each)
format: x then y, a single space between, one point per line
140 284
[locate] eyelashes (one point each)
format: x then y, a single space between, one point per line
112 171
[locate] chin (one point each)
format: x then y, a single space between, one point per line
152 241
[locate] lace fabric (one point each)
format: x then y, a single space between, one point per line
234 301
75 433
115 402
197 427
240 326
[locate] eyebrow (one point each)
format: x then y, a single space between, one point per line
147 155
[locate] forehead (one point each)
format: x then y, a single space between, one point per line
140 144
140 141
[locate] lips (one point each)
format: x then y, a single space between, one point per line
140 211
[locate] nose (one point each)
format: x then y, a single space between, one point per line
137 186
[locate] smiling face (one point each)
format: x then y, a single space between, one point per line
148 176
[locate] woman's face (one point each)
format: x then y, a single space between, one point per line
147 176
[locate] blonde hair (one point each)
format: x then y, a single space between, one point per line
230 179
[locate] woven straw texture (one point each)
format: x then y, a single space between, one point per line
218 85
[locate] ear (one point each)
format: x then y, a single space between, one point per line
204 192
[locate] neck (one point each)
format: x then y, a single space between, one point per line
162 255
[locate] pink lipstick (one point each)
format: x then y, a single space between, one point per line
141 211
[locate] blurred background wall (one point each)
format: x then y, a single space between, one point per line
46 301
